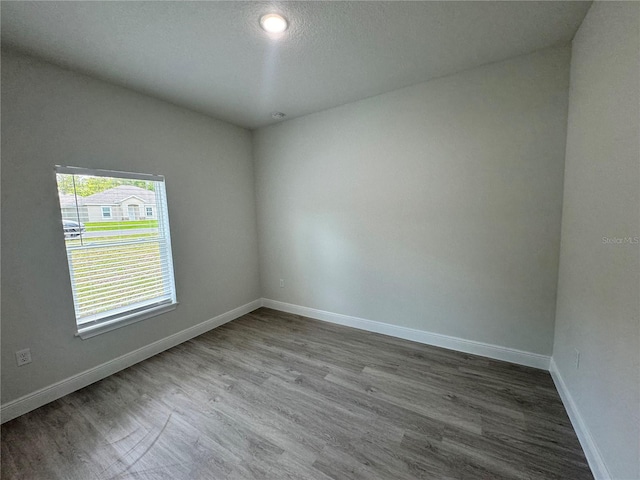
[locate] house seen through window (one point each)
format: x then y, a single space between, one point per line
116 230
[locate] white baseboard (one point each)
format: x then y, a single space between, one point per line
591 451
421 336
48 394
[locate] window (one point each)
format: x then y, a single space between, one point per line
149 211
121 271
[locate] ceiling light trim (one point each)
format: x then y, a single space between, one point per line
274 23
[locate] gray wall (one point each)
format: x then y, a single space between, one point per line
435 207
52 116
599 283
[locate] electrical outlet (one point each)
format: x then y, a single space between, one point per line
23 357
281 283
577 358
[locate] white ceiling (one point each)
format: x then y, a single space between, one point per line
213 57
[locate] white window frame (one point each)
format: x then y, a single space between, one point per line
120 317
148 209
110 216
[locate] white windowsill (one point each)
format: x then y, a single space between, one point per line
96 329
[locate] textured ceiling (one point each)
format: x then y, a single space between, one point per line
212 56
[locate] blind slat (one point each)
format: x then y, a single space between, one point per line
90 267
118 275
134 285
122 300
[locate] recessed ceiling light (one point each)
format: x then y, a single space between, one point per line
278 115
273 23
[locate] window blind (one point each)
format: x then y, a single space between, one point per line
120 265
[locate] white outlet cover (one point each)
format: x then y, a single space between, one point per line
23 357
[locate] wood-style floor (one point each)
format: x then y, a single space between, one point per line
277 396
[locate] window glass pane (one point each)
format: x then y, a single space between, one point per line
119 260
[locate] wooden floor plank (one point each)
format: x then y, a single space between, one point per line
273 395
